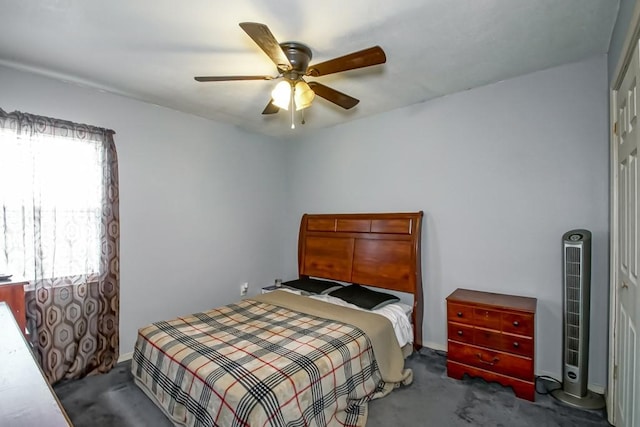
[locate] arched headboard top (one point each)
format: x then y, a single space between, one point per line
374 249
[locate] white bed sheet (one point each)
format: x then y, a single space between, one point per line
399 314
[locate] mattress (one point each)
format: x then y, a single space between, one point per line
278 359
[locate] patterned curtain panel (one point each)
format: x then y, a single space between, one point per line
60 229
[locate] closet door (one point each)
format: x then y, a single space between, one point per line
627 354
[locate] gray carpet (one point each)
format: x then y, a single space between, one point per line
432 400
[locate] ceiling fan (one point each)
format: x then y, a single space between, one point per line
292 61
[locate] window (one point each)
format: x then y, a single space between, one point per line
57 183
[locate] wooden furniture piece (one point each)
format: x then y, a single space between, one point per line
492 336
373 249
26 399
12 292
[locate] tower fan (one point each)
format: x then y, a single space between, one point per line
576 278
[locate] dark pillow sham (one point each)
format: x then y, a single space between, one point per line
364 297
313 286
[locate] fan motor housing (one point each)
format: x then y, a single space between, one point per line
299 56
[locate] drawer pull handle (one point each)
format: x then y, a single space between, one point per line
486 362
460 333
459 314
516 344
516 323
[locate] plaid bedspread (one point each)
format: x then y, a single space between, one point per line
257 364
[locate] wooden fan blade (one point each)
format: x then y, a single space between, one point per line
261 34
338 98
230 78
270 108
363 58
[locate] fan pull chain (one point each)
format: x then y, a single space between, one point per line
302 114
293 108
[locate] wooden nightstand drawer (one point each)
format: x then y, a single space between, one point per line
496 361
516 344
520 324
487 338
495 340
460 332
487 318
459 313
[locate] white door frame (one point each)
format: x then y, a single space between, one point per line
633 34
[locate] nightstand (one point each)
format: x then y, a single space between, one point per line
492 336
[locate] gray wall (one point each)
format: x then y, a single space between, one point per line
501 173
200 202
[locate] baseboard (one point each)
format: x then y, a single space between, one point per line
435 346
597 388
124 357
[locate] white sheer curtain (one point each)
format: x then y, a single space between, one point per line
56 181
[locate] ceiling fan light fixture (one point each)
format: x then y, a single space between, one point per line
281 95
292 62
303 95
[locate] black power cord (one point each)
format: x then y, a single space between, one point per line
544 381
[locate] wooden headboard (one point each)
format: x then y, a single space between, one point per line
373 249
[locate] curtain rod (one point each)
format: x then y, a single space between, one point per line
19 115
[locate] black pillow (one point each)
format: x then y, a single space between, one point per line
363 297
313 286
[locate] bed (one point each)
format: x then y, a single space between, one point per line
282 359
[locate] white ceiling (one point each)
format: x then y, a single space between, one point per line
151 49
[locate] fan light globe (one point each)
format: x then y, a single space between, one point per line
303 95
281 95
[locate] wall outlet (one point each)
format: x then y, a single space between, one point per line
244 288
